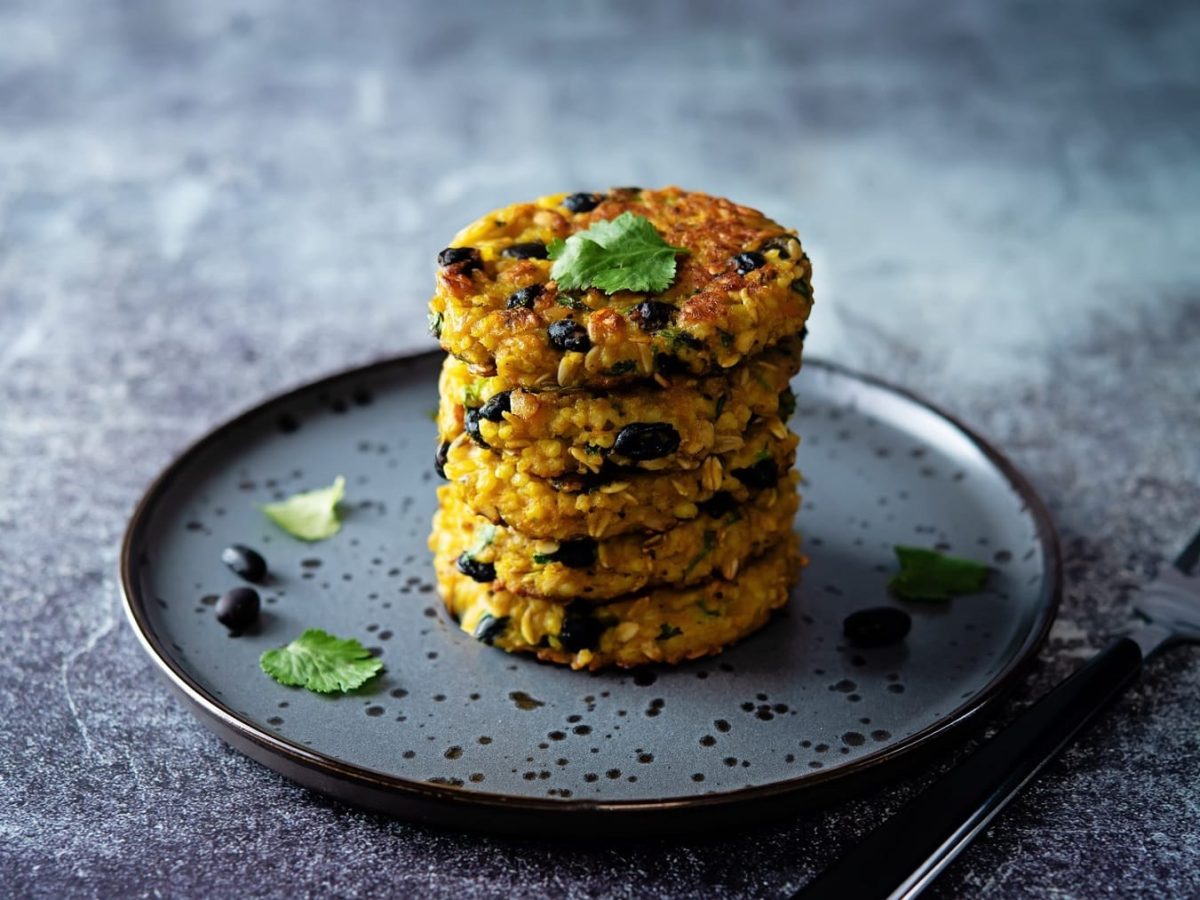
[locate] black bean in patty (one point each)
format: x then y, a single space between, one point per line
800 286
579 553
760 476
473 568
580 631
646 440
452 255
496 406
471 424
439 459
582 202
490 627
524 297
748 262
653 315
529 250
780 243
567 334
718 505
667 364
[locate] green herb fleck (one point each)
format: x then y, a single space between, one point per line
761 455
726 338
435 320
472 392
570 302
666 632
543 559
483 540
929 575
622 367
625 254
712 613
593 449
312 515
787 403
321 662
710 541
676 336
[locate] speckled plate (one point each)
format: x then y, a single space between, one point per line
457 733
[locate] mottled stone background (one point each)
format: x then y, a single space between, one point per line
201 203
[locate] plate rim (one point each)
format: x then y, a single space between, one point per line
386 792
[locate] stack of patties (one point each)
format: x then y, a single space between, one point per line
612 425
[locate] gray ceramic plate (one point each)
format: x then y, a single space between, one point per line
459 733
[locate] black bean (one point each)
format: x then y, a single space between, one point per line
583 202
452 255
760 476
530 250
667 364
718 505
580 631
471 424
800 286
496 406
473 568
439 459
244 562
567 334
586 482
646 440
803 332
876 627
748 262
780 243
490 627
524 297
238 609
653 315
579 553
787 403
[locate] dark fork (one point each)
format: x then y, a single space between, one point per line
901 857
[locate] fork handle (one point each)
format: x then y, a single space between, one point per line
903 855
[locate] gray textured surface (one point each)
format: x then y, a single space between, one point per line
200 203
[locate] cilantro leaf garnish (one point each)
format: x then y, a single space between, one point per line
321 662
311 515
624 254
929 575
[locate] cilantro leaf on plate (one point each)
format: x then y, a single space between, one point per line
624 254
321 662
930 575
311 515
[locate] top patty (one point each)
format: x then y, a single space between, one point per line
743 285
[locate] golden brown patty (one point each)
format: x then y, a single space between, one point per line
653 427
743 285
662 626
589 570
612 503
